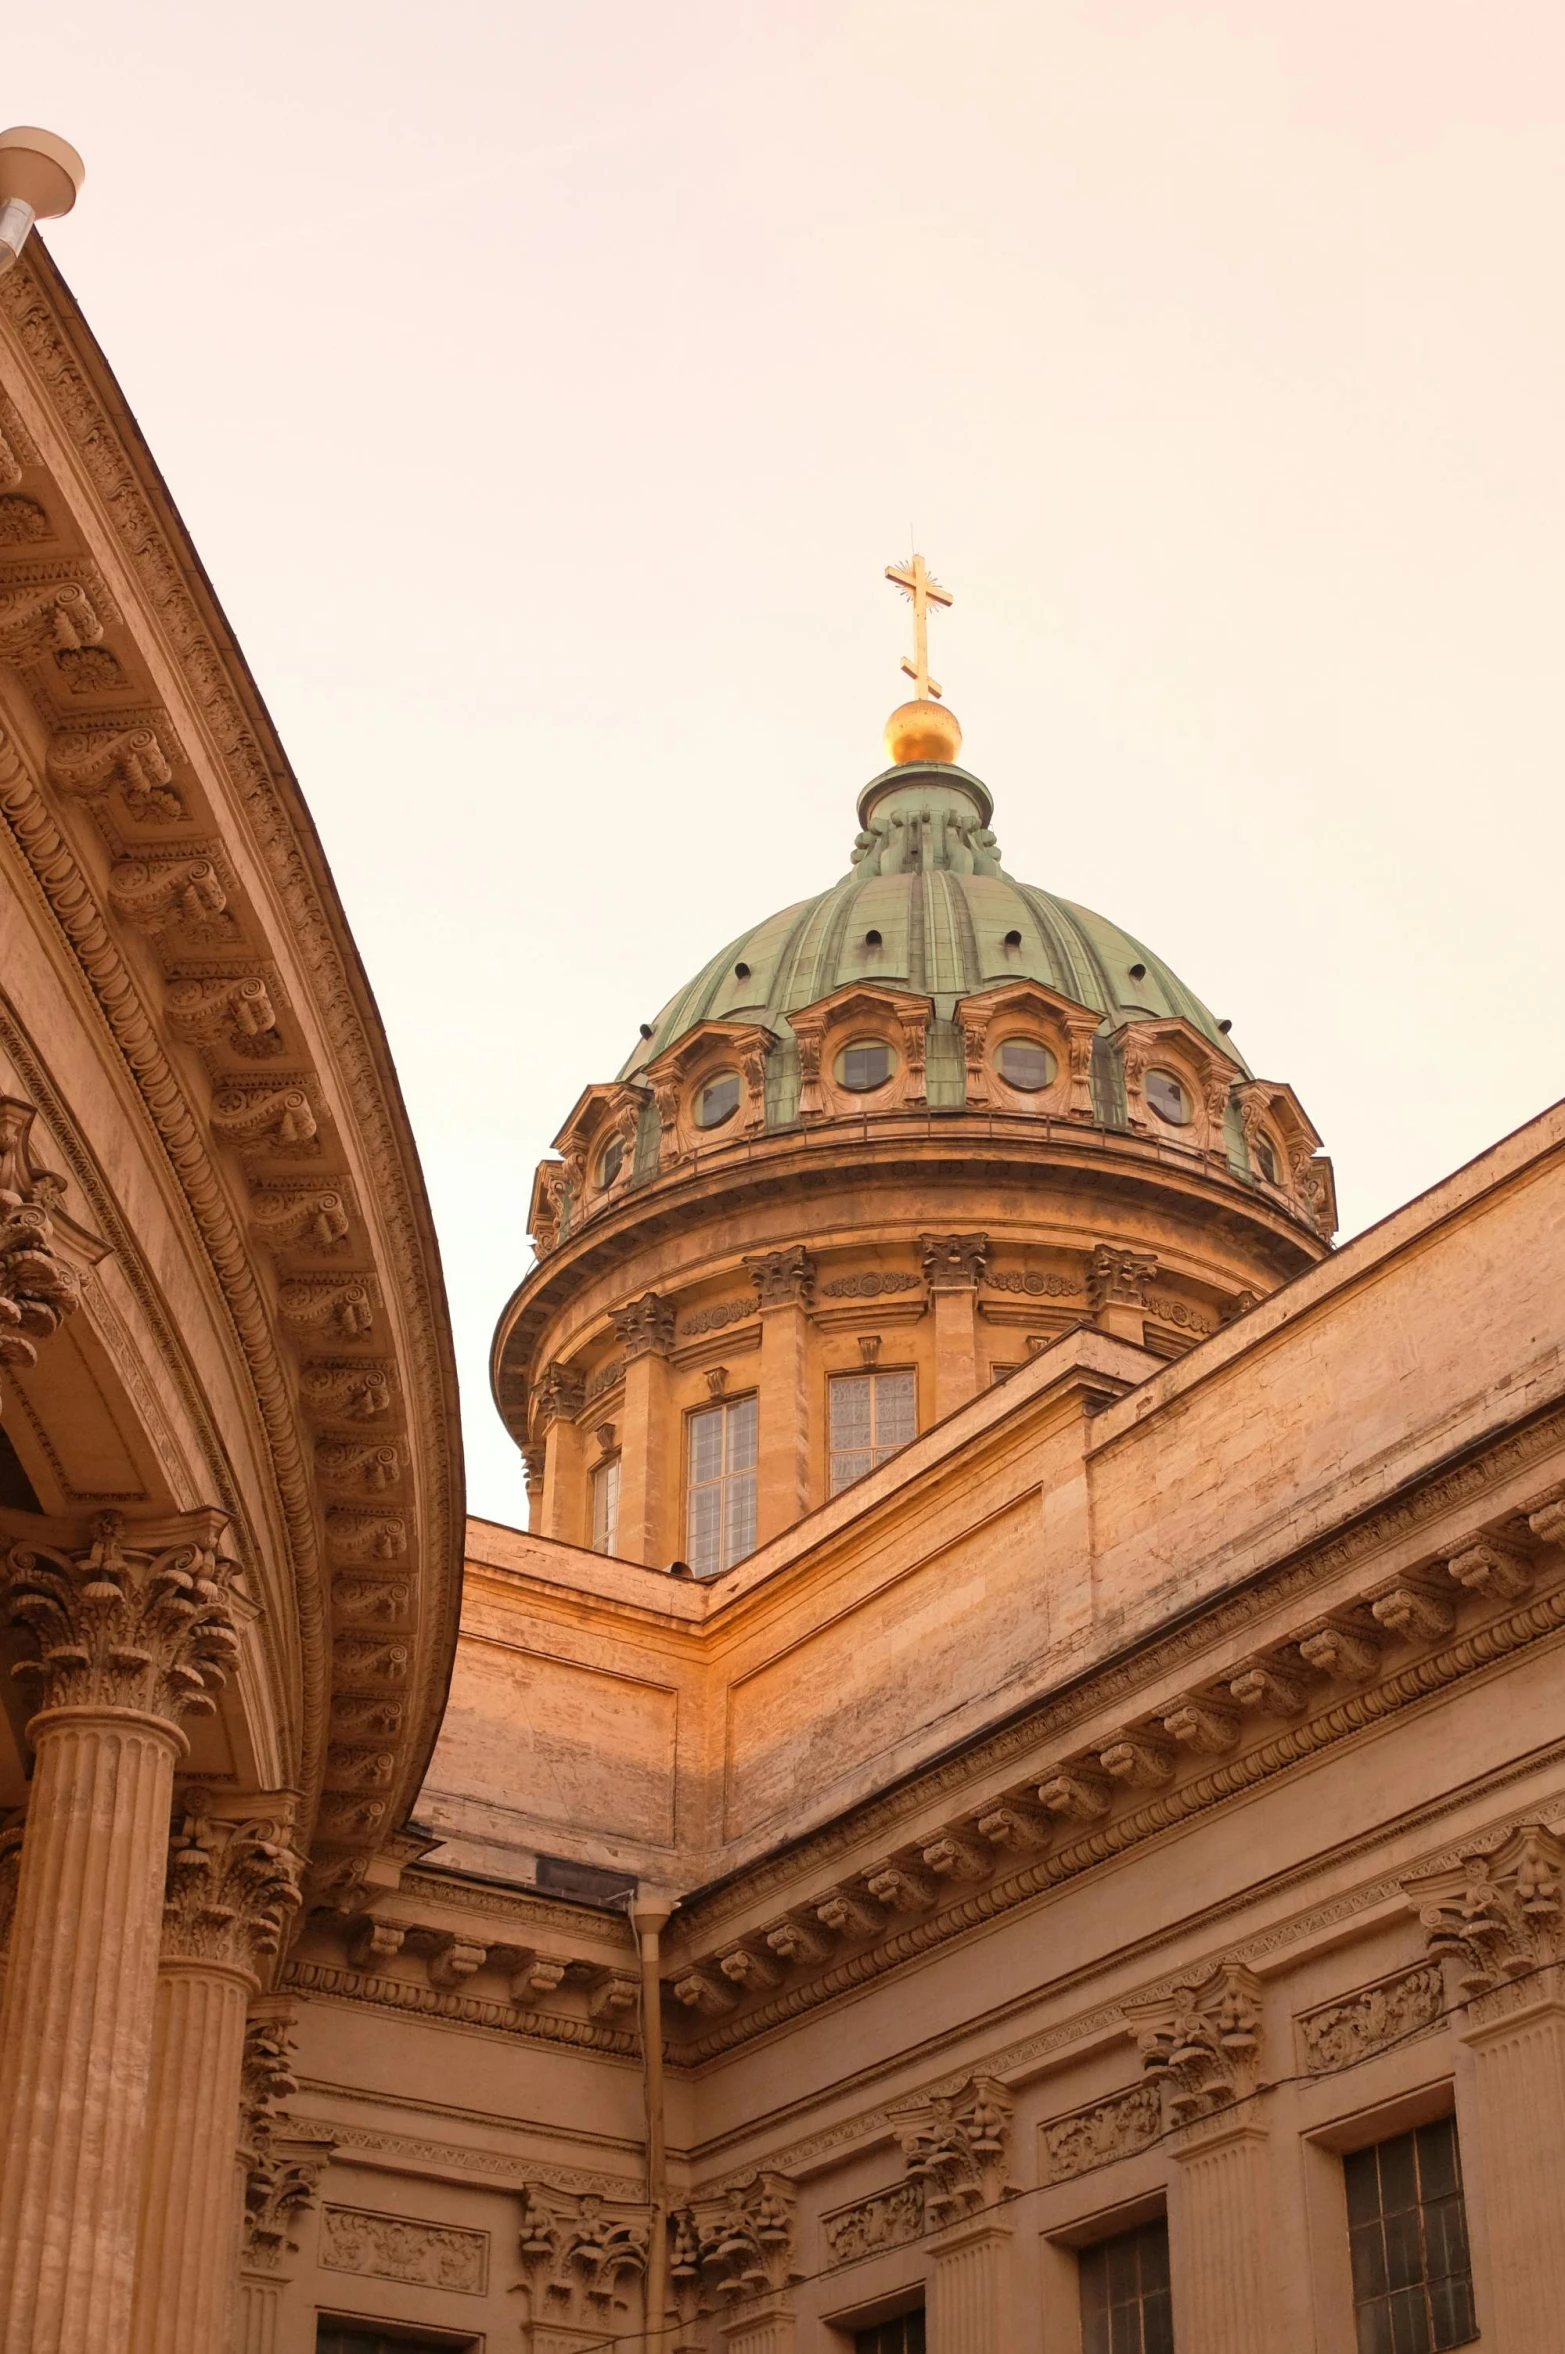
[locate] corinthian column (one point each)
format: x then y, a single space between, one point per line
231 1887
130 1636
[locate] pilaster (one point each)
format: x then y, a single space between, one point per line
957 2145
784 1281
650 1448
953 1267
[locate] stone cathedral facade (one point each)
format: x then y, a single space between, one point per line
1010 1800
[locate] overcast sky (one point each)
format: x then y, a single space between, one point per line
547 386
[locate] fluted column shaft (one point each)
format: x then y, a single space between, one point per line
76 2027
185 2272
1519 2087
1218 2229
968 2290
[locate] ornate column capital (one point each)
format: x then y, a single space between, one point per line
957 2144
1119 1278
284 2163
581 2255
231 1888
646 1326
1201 2042
126 1626
954 1261
560 1391
38 1288
1496 1919
784 1278
731 2249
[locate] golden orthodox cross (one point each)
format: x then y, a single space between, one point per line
916 581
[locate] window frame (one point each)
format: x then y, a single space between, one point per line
1043 1046
724 1406
397 2337
856 1045
1139 2231
607 1469
1420 2210
878 1455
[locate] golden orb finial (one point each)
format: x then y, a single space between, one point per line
922 730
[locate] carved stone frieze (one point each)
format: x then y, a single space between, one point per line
121 1626
358 1467
343 1304
956 2144
1339 2034
349 1389
1138 1760
394 2247
44 615
38 1288
886 2219
299 1217
1100 2132
1201 2043
266 1121
166 894
356 1534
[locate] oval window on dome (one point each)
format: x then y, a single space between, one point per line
864 1066
1168 1098
1026 1063
610 1162
1266 1159
718 1100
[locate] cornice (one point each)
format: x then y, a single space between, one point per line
172 906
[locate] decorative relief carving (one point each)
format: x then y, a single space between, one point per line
782 1278
1076 1794
90 670
38 1288
1497 1572
44 617
1499 1916
338 1303
581 2256
887 2219
362 1659
1199 1725
725 2250
645 1326
238 1013
1100 2132
956 2144
1119 1278
387 2247
155 895
124 1627
22 520
1138 1760
1201 2043
1338 2034
348 1389
721 1314
1265 1689
1180 1314
284 2161
954 1260
312 1218
232 1887
867 1286
559 1392
278 1120
88 760
356 1535
357 1466
1341 1649
1037 1282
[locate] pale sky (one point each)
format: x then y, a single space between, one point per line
547 386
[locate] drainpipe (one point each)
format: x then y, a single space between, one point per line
649 1913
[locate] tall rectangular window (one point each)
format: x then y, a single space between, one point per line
1126 2307
337 2337
871 1414
905 2335
605 1505
1407 2227
720 1486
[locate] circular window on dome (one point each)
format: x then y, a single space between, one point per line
718 1100
1168 1098
864 1066
610 1162
1266 1159
1025 1063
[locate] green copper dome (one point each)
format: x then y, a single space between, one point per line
927 907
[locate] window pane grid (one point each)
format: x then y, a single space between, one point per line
905 2335
871 1416
1126 2307
720 1496
1407 2235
